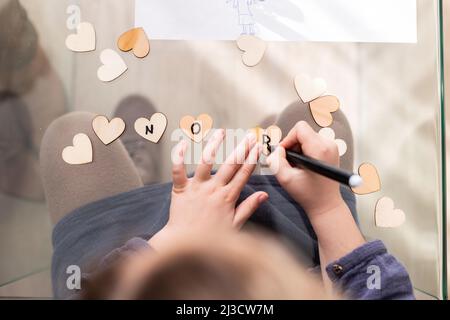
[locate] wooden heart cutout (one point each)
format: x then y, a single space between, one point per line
108 131
113 66
268 138
135 39
84 40
386 216
151 129
81 151
322 109
329 134
371 180
254 49
309 89
196 129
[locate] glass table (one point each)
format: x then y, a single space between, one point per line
392 95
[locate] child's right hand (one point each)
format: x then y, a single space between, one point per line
316 194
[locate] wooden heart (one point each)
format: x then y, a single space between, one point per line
386 216
329 134
108 131
268 138
113 66
151 129
309 89
135 39
371 180
196 129
254 49
322 109
81 151
83 40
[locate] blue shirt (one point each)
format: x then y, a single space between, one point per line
371 273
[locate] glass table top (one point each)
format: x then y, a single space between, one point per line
390 93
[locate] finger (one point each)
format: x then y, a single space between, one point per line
179 176
236 159
279 166
301 134
248 207
203 171
244 173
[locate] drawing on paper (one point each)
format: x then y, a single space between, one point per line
246 20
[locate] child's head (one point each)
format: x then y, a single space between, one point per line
226 266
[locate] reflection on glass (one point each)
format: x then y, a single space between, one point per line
389 93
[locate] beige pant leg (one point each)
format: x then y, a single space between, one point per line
68 187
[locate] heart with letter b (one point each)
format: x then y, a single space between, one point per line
269 137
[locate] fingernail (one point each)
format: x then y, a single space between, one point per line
263 198
178 152
183 146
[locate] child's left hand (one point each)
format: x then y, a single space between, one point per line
207 201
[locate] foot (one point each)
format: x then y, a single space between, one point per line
145 155
299 111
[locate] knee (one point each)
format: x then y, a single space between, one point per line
62 130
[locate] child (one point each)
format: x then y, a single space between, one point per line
208 203
103 205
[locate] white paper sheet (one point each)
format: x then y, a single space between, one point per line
280 20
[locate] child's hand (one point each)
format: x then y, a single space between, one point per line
207 201
329 215
313 192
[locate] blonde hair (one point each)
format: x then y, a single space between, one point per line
225 265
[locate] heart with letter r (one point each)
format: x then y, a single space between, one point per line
269 137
